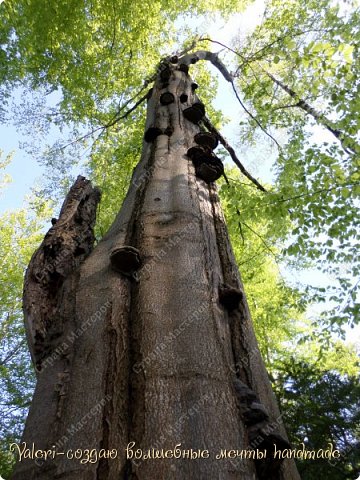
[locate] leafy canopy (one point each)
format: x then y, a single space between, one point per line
299 76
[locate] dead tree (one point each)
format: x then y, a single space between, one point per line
148 366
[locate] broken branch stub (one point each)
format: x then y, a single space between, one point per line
65 246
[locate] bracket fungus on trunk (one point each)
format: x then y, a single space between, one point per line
195 113
229 297
198 153
206 139
125 260
165 73
166 98
263 434
184 68
268 467
210 172
152 133
255 413
208 166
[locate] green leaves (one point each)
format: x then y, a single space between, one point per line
20 232
91 52
18 236
258 231
303 80
321 406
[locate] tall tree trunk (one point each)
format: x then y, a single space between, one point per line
162 356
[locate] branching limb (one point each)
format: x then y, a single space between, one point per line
209 56
115 119
254 118
122 117
310 194
11 353
183 52
232 153
262 239
345 141
205 39
240 228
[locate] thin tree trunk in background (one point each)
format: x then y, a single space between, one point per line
155 359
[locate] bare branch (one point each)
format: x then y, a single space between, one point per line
122 117
214 59
254 118
232 153
12 353
211 57
345 141
115 119
310 194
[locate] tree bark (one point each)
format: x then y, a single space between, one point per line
65 246
161 357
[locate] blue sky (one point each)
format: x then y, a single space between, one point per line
23 169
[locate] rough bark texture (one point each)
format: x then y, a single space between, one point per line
65 246
168 356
